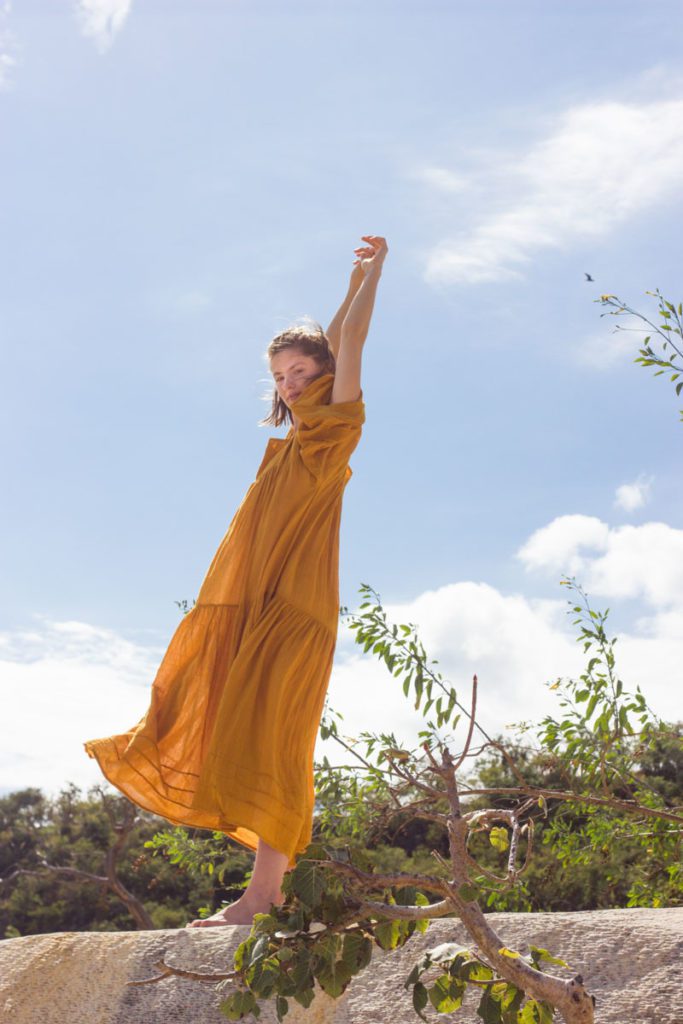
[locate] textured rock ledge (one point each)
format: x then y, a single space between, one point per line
630 959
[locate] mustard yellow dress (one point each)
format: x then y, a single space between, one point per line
228 740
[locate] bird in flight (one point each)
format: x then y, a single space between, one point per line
588 277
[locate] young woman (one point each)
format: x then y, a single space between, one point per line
227 743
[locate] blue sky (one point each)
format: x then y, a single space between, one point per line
179 182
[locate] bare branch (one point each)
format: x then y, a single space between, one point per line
401 912
382 881
57 869
630 807
168 971
468 741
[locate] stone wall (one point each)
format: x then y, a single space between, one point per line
631 961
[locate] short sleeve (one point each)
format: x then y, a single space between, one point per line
328 433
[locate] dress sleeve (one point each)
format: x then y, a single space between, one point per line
327 434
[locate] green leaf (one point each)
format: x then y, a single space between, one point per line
356 951
420 999
260 949
539 954
387 934
513 954
498 837
308 881
333 977
474 970
238 1005
412 977
530 1013
281 1006
263 923
304 996
512 999
446 994
489 1010
591 706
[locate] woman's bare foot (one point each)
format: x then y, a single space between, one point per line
240 912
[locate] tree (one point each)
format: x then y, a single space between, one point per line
77 864
336 905
121 820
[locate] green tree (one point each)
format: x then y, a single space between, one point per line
80 864
338 904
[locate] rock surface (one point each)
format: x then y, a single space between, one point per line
630 960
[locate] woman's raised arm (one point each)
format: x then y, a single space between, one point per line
356 323
333 332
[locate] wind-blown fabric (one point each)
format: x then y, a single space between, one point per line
227 743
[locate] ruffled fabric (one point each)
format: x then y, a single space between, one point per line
221 746
327 434
228 741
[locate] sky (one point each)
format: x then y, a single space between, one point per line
179 182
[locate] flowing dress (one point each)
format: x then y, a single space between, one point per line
228 741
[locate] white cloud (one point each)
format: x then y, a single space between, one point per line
102 20
644 562
63 683
514 644
67 682
631 496
585 178
556 546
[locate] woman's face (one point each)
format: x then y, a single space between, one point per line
292 371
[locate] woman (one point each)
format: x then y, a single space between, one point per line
227 743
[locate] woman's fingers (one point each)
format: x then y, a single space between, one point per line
376 247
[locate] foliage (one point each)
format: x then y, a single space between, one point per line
594 769
322 934
202 855
670 317
605 744
74 831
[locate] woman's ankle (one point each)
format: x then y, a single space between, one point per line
263 897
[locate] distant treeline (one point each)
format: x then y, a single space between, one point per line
53 851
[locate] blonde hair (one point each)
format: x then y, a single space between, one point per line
309 339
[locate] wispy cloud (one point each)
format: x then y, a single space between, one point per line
102 20
631 496
604 163
604 351
86 680
440 178
8 47
186 301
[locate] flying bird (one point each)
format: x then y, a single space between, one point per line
588 277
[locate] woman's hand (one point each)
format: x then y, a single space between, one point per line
370 257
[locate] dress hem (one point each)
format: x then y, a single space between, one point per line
240 831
